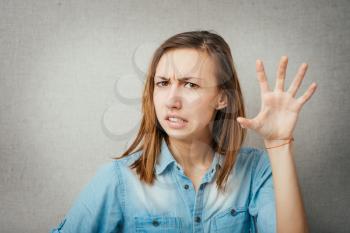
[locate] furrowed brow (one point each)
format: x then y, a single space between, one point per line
180 79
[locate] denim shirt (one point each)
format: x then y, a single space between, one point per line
115 200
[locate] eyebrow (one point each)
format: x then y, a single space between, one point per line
180 79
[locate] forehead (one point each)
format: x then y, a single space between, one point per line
186 62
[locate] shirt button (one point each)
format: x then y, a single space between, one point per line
177 167
155 223
212 170
233 212
197 219
186 186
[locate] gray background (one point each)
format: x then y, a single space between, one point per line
71 75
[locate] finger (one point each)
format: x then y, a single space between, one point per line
264 85
298 79
307 95
247 123
281 73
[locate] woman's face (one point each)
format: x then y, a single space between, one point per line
185 93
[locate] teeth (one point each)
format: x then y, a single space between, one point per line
174 119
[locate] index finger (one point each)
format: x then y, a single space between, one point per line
264 85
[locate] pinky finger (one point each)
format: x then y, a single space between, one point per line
307 95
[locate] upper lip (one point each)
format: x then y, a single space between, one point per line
175 116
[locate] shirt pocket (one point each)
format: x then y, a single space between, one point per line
158 224
233 220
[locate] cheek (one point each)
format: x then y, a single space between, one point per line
201 101
157 99
202 109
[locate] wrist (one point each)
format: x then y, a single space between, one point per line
272 143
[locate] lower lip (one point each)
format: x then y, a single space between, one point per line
176 125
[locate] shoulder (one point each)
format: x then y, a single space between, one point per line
106 175
107 179
260 165
112 168
127 160
248 153
257 158
118 168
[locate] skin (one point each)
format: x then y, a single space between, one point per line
195 100
275 123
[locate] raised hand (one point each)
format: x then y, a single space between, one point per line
279 109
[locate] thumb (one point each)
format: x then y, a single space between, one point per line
245 123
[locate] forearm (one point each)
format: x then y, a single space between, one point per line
290 212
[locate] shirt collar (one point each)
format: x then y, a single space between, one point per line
165 158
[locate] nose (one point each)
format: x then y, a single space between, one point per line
174 99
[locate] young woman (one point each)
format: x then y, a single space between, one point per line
186 170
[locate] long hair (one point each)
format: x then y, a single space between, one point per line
228 136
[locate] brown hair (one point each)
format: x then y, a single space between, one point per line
228 136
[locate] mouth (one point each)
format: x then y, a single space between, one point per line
176 122
173 118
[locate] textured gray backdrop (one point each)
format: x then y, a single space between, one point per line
71 75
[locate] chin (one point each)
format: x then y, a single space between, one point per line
179 135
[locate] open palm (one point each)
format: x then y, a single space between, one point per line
279 109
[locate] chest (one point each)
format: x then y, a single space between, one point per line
196 178
170 206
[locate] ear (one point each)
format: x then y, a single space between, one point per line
221 100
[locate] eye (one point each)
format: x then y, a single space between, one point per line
165 83
162 82
192 85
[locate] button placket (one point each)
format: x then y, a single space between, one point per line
233 212
155 223
179 169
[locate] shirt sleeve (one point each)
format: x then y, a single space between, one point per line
262 203
97 208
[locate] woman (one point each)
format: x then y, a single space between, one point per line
186 170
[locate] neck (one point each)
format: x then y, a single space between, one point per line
191 154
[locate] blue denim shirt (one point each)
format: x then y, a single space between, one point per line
116 201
